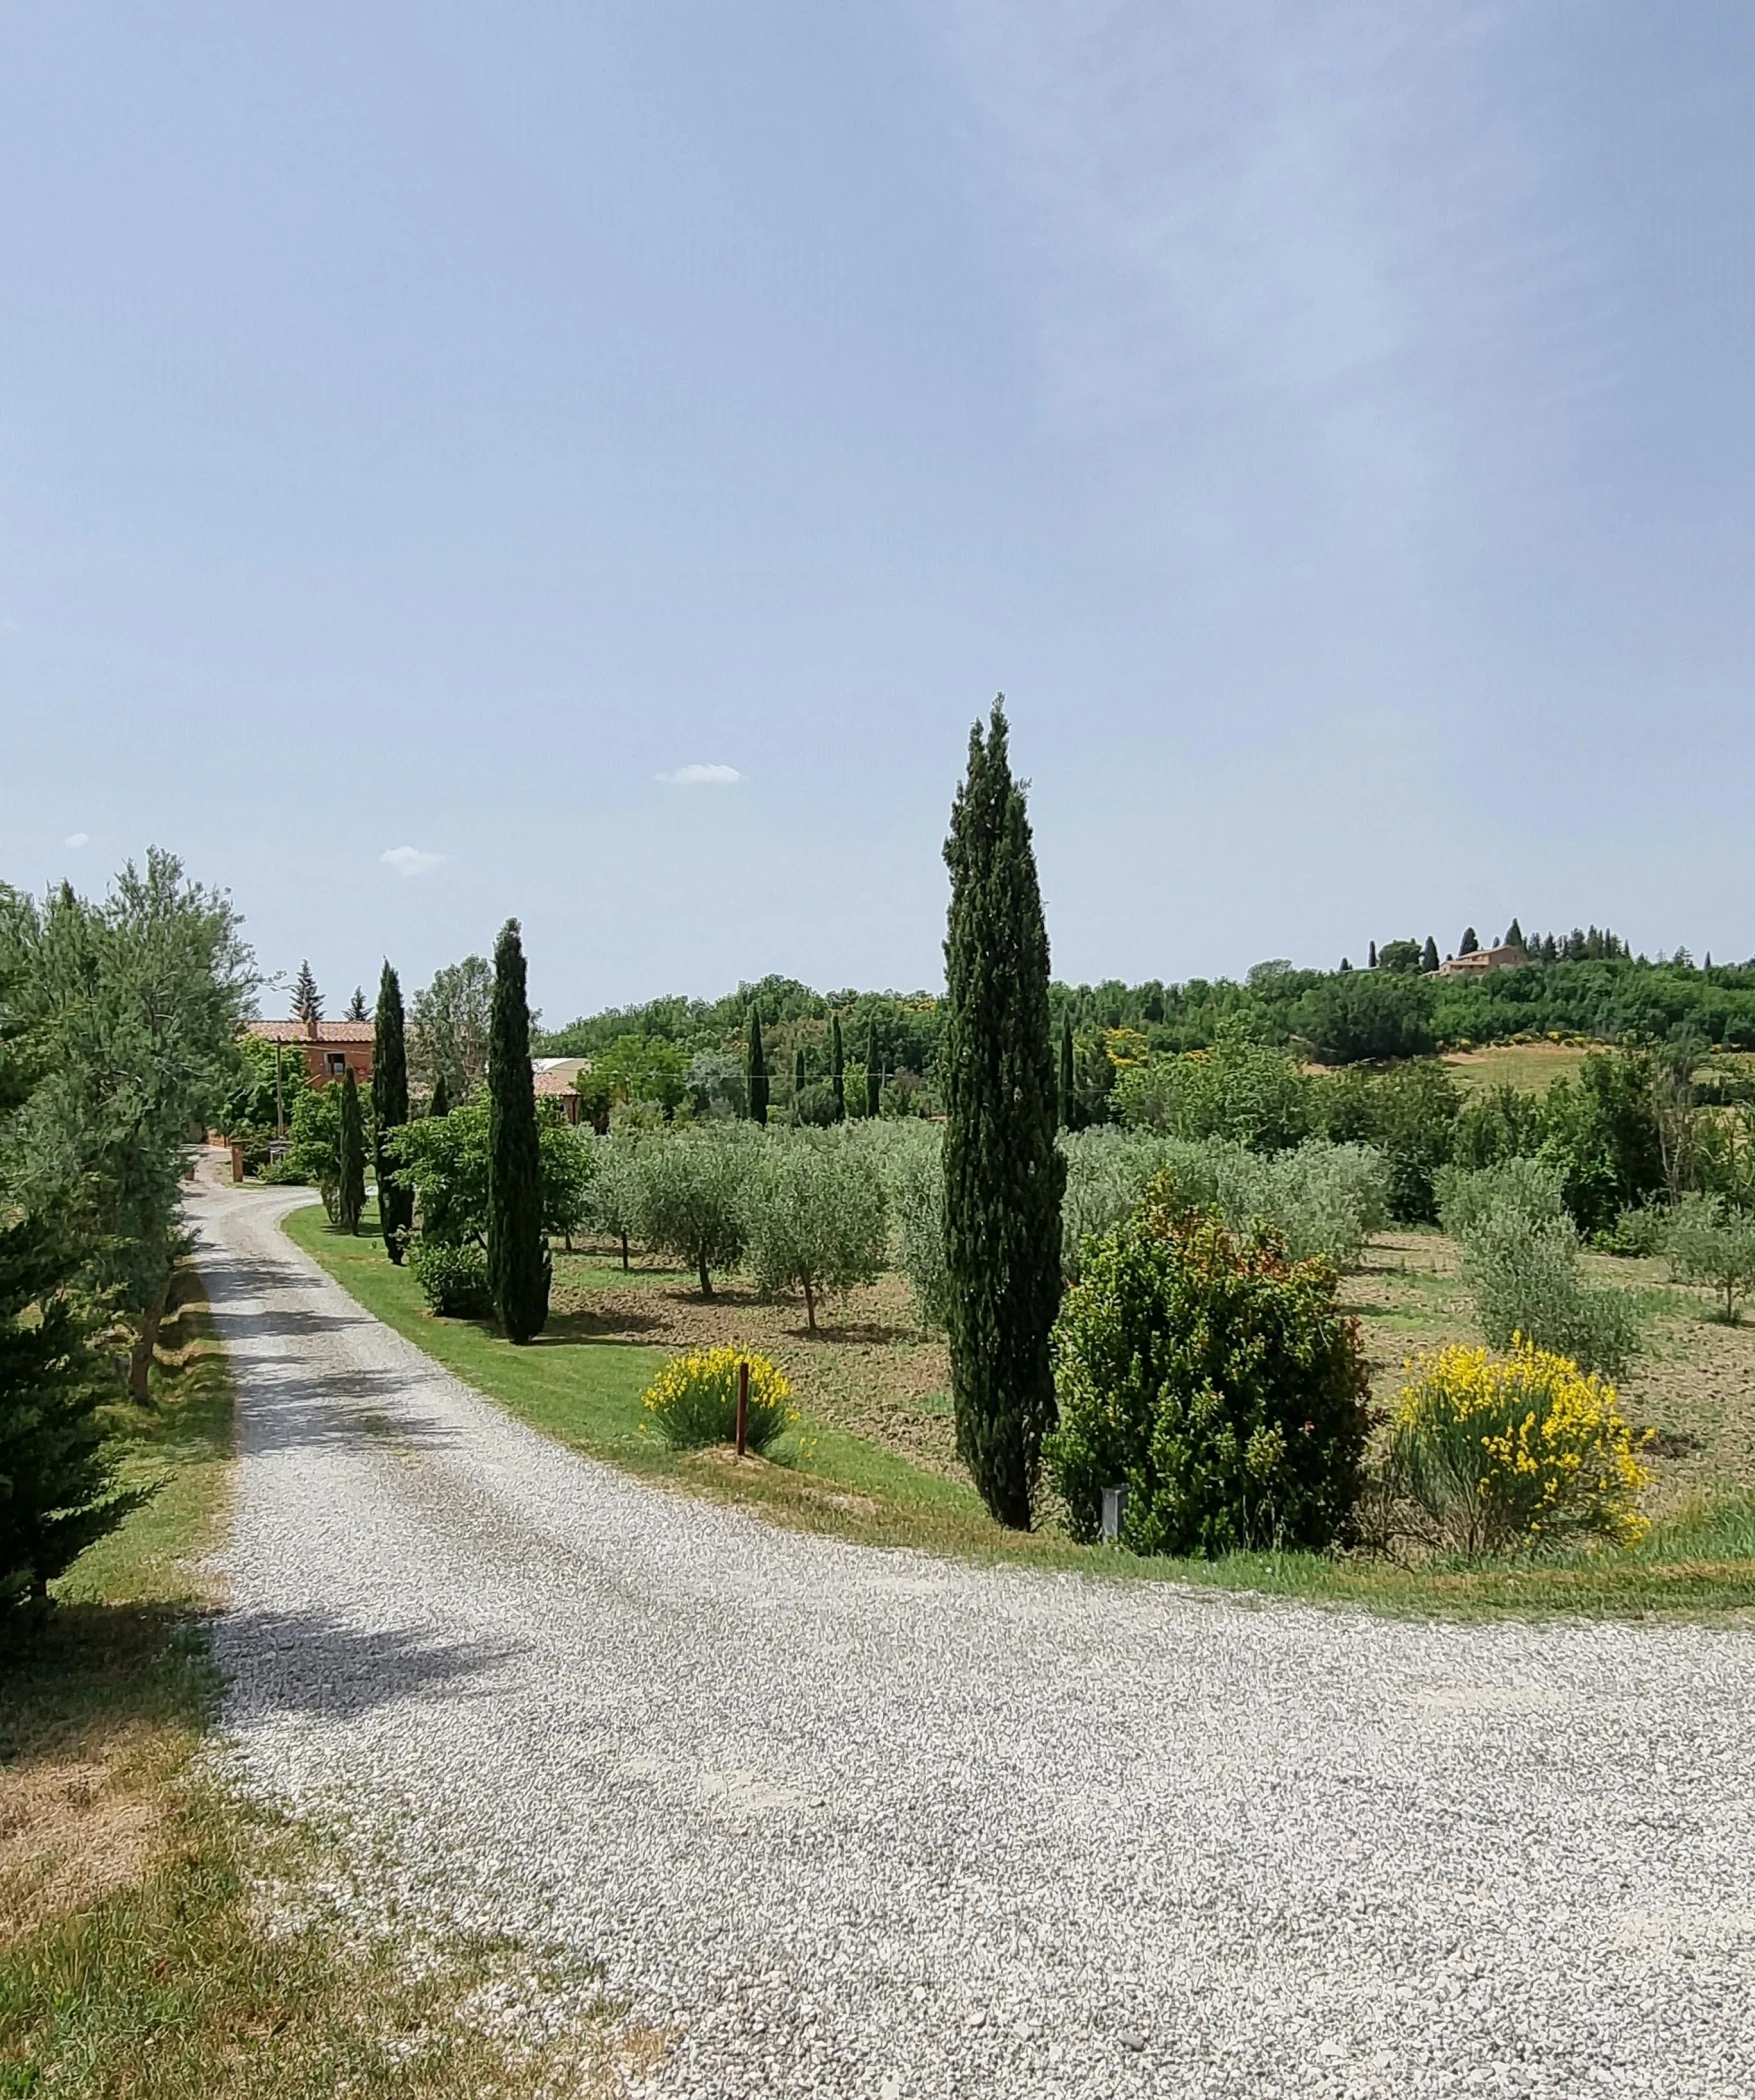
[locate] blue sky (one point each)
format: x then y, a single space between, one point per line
453 429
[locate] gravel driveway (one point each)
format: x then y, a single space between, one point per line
855 1822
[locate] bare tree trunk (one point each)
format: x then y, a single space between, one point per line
145 1344
810 1307
624 1251
706 1281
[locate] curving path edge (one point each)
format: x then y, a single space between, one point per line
858 1822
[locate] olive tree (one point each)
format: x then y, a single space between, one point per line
1711 1244
616 1204
820 1220
694 1191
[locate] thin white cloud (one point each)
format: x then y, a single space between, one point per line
702 776
410 860
77 838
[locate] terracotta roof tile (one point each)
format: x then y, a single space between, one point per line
327 1031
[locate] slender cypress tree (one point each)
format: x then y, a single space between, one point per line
390 1110
797 1077
837 1068
1069 1100
1470 942
756 1069
517 1252
1513 935
1371 957
440 1104
351 1199
1003 1174
1429 956
874 1070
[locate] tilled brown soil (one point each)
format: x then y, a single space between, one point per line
871 1371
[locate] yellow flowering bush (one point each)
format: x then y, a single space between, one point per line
693 1400
1517 1450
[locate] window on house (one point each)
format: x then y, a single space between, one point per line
334 1063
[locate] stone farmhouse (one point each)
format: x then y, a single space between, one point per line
1484 962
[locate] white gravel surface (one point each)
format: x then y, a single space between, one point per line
854 1822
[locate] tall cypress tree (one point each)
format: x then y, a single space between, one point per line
1069 1100
390 1110
1513 935
1003 1174
351 1198
1371 957
1429 956
874 1070
837 1068
756 1069
1469 941
797 1077
518 1263
440 1104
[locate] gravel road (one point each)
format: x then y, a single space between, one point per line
854 1822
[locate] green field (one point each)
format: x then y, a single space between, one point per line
866 1396
1531 1067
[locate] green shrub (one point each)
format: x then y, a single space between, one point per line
453 1279
1245 1091
1498 1122
693 1401
1602 1129
1525 1276
1533 1188
816 1107
1409 1114
1710 1243
1213 1378
1642 1230
1322 1199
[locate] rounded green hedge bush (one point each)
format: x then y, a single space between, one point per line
1216 1380
453 1279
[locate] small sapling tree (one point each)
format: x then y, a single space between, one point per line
1711 1244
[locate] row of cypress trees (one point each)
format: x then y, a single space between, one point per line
756 1069
517 1253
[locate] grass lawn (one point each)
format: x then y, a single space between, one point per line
1531 1066
875 1462
134 1956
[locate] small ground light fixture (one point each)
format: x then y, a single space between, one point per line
1114 1514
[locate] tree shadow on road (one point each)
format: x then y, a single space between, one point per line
311 1663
